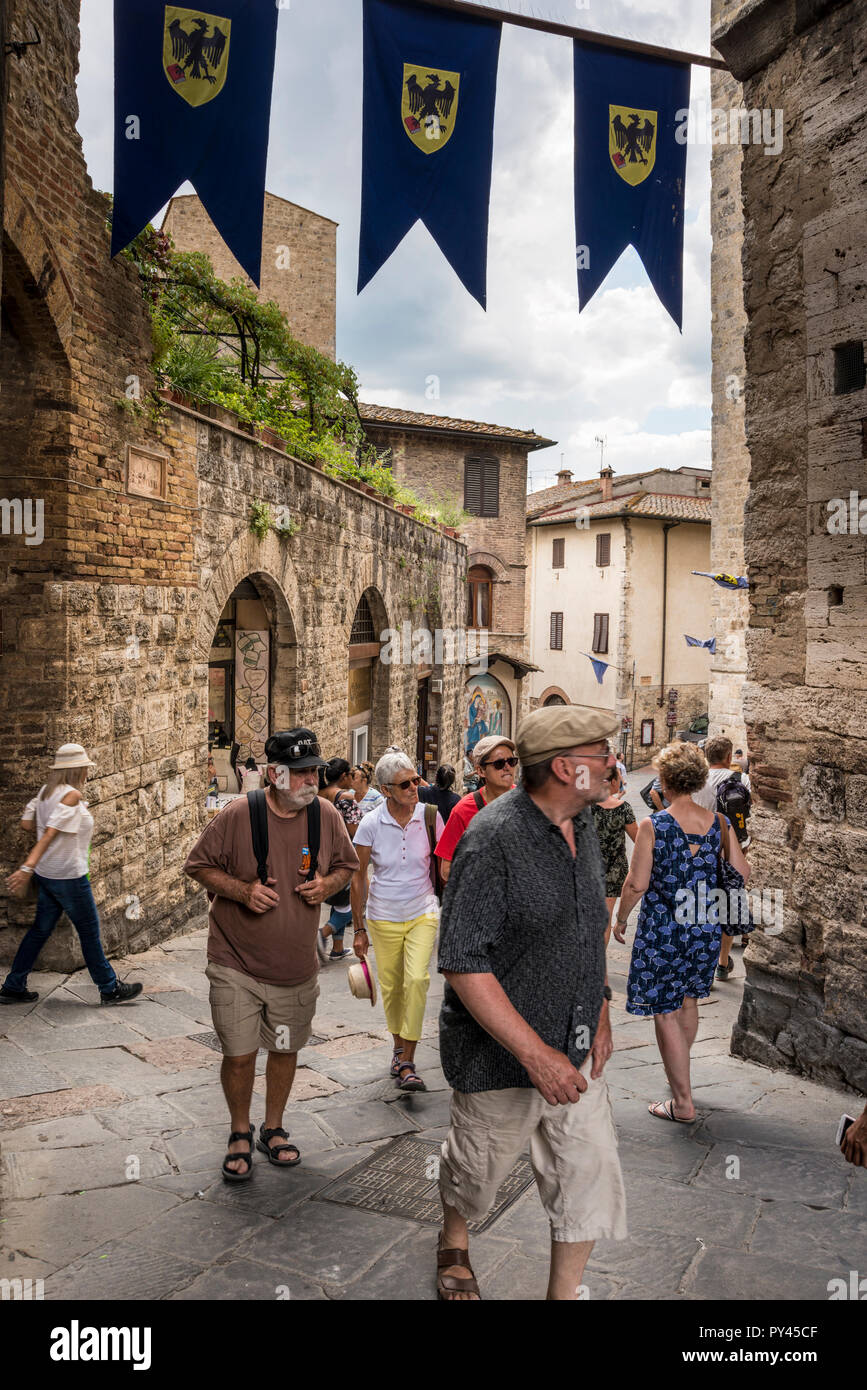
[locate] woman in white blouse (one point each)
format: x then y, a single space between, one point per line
64 829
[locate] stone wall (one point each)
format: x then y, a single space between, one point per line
731 460
107 625
804 274
299 262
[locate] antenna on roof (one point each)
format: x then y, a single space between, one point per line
603 444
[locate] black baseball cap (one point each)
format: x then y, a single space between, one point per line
297 749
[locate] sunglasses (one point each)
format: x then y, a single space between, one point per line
500 763
306 748
403 786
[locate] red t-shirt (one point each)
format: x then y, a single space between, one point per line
456 825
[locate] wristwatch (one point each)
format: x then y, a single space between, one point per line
606 993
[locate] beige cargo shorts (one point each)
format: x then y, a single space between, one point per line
249 1014
573 1152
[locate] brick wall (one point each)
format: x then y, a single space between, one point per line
299 262
107 625
804 269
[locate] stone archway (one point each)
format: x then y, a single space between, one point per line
265 569
369 681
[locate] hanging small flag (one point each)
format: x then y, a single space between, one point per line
630 168
430 81
697 642
725 581
599 667
193 101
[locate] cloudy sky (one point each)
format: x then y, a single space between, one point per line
620 370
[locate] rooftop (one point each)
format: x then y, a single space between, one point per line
415 420
661 506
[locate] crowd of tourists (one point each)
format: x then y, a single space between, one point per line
522 880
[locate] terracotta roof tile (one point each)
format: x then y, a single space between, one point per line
664 506
413 419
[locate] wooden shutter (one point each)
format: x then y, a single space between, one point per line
556 632
603 548
600 632
559 559
482 486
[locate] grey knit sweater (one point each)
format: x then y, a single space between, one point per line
518 906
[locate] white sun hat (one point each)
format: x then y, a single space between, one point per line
362 982
69 756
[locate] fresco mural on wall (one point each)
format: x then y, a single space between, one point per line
488 711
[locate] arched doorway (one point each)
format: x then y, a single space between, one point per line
251 677
368 682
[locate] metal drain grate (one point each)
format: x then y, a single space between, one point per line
213 1042
400 1180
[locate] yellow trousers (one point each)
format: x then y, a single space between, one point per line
403 951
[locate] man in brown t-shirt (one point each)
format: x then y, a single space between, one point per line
262 961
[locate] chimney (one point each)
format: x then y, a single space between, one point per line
564 477
606 475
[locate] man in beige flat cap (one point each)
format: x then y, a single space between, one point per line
524 1029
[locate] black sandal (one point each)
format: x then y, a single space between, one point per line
274 1154
246 1173
412 1082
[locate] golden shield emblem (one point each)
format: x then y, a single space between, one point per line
632 142
430 106
196 53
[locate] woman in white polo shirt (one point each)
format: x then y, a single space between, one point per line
402 907
64 829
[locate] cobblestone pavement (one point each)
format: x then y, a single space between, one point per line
114 1128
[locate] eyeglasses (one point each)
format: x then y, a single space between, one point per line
500 763
403 786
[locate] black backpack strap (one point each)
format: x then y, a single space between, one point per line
259 826
479 800
314 818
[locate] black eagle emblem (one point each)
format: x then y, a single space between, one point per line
635 140
200 51
433 100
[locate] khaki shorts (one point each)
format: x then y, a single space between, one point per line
573 1151
249 1014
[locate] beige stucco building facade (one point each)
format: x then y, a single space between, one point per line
611 578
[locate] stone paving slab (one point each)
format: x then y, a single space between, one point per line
121 1271
353 1124
308 1085
54 1172
64 1228
759 1128
354 1070
23 1075
209 1230
657 1260
69 1132
77 1100
734 1276
39 1038
152 1115
330 1244
173 1054
780 1174
155 1020
67 1010
677 1160
522 1278
790 1231
247 1280
113 1064
182 1002
723 1216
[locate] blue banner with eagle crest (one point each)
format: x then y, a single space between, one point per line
630 168
430 81
193 101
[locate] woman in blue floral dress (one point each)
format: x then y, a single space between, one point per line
675 868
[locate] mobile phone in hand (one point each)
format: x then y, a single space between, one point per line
845 1122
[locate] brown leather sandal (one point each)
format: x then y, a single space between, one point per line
449 1283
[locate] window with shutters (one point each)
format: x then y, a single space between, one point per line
603 548
482 486
559 559
600 632
480 605
556 632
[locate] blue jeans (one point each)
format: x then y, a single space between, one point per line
74 897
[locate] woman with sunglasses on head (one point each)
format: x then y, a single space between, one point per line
496 762
395 840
